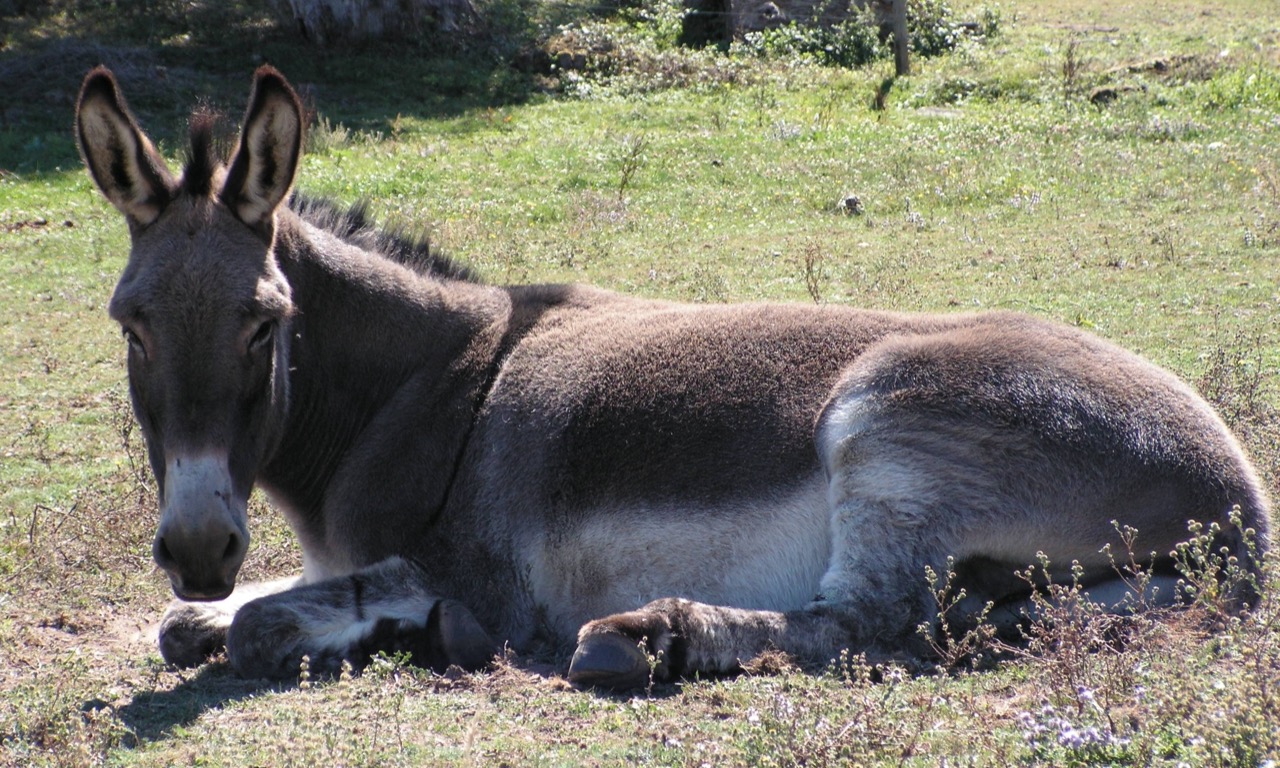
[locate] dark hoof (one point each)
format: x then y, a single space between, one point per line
457 638
609 660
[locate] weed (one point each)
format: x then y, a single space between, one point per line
764 101
811 262
1235 381
304 673
1213 577
385 673
324 137
1166 240
781 130
932 27
38 436
990 21
1064 738
632 155
1071 67
856 40
828 106
1254 87
708 284
952 645
850 43
597 58
48 719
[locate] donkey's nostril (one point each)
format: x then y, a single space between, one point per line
232 552
163 557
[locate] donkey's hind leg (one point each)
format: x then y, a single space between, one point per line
386 607
673 637
902 497
872 600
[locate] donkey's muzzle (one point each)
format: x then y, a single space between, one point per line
203 535
196 575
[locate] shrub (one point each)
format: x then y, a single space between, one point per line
1245 87
851 43
932 27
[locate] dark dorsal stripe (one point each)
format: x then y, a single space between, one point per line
354 225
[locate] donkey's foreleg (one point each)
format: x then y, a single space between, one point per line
192 632
674 637
387 607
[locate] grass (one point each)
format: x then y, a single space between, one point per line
988 180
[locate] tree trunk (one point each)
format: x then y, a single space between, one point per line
901 41
331 22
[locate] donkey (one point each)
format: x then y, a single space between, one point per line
469 466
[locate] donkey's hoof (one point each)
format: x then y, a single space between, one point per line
609 660
459 638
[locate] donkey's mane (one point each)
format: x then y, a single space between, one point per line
202 156
353 225
350 223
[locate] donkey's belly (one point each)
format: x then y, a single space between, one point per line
768 553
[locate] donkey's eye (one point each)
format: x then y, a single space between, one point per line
135 343
262 337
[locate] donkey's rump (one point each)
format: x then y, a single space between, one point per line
1010 439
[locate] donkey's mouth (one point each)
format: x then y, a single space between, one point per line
200 581
202 593
199 588
204 579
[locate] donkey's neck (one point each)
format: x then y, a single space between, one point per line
384 362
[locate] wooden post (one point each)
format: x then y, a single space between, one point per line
901 44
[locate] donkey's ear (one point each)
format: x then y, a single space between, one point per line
262 170
123 162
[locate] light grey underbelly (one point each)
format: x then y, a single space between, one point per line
767 554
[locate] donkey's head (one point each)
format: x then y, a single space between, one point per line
205 311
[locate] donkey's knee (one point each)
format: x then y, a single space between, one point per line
349 620
191 633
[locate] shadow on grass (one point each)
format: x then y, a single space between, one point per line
153 715
656 692
205 53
